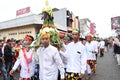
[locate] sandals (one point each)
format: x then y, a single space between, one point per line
88 78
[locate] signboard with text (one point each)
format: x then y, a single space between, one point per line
22 11
92 28
115 23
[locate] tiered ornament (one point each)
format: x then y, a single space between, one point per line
49 27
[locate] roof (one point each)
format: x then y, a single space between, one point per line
21 21
60 27
26 20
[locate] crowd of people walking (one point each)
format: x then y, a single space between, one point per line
77 57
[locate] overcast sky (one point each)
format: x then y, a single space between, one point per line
98 11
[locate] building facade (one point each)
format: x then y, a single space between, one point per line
84 27
31 24
87 27
19 27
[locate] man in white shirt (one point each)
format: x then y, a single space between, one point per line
96 43
25 60
65 43
76 58
49 60
91 51
102 47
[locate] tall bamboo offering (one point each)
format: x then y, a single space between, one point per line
49 27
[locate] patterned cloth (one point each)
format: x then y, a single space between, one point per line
32 78
25 79
92 65
72 76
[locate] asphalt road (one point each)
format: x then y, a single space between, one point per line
107 68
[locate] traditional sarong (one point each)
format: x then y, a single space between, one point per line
92 65
25 79
101 52
72 76
32 78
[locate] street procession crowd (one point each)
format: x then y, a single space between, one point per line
53 55
77 57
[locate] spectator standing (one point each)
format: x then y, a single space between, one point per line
8 56
25 60
2 64
117 48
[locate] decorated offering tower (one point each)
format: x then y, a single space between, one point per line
49 27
